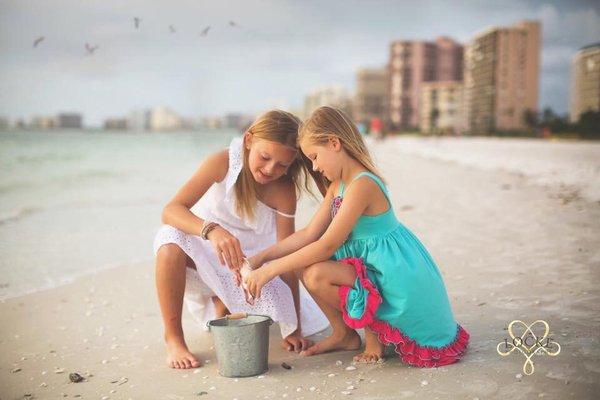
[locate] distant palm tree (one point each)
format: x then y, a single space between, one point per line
434 115
531 119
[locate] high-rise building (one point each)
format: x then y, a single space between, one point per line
466 101
370 98
237 121
164 119
212 122
115 124
69 121
414 62
42 122
333 96
501 75
585 81
441 107
4 124
139 120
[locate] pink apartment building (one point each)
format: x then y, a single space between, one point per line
502 77
412 63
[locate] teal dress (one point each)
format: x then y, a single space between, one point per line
399 293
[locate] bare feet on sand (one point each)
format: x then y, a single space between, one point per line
370 355
296 343
178 355
347 340
373 350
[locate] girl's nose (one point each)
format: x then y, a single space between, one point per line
270 168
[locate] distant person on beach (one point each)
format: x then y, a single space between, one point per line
362 128
362 266
247 200
376 128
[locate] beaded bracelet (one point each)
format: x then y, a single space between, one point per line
206 228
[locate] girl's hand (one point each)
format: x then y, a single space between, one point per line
227 246
255 261
257 279
238 277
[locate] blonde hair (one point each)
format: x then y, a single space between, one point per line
279 127
328 122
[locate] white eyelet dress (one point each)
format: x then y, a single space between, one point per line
211 278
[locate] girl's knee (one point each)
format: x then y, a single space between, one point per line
313 275
328 273
170 252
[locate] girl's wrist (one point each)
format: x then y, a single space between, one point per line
212 230
256 260
207 227
270 270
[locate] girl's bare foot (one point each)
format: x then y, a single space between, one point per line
296 342
369 356
347 340
373 349
178 355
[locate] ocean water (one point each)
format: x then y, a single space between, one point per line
72 203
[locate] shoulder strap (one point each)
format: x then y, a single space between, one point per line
235 163
285 215
377 180
341 188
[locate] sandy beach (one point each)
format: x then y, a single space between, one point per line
508 247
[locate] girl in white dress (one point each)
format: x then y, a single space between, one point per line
246 199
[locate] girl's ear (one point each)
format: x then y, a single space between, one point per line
247 140
335 143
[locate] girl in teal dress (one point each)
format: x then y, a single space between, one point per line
361 265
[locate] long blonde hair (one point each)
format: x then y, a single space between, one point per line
328 122
279 127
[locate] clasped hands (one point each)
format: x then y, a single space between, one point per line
257 278
229 252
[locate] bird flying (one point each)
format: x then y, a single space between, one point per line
90 49
38 41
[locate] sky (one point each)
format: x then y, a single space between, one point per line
276 53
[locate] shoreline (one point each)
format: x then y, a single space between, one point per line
74 279
563 191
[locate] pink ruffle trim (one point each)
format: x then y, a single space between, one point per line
421 356
373 299
409 351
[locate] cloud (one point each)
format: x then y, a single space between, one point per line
564 33
281 50
574 27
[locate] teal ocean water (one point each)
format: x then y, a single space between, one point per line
72 203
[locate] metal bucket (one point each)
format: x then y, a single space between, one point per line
242 344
